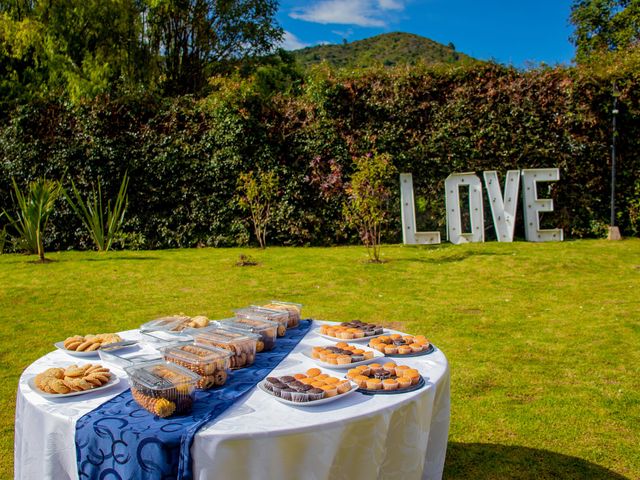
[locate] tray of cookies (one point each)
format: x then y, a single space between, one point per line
241 344
293 309
71 380
211 363
377 379
162 388
397 345
307 389
88 345
267 330
281 317
355 331
342 355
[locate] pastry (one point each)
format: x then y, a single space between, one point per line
330 390
90 343
399 344
374 384
72 379
390 384
404 382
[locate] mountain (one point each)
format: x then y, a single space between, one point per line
387 49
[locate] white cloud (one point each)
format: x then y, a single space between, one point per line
363 13
391 4
291 42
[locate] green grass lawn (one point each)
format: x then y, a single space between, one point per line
543 339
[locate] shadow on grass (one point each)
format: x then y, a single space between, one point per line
454 257
111 259
486 461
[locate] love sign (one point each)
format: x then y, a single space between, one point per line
503 204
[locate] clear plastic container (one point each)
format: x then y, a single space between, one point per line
173 323
259 313
162 388
241 344
126 359
161 337
210 363
293 309
267 330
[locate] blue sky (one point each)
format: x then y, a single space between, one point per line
514 32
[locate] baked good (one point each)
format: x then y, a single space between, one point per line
74 378
307 387
388 377
209 362
341 354
390 384
397 344
90 343
242 345
351 330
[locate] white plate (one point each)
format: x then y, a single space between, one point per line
92 354
350 340
114 380
322 401
348 366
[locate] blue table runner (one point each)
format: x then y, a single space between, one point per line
120 440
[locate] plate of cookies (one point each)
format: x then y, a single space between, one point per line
72 380
355 331
376 379
342 356
88 345
397 345
307 389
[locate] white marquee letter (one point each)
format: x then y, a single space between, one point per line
503 209
533 205
407 205
454 222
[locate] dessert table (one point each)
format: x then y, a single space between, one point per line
360 436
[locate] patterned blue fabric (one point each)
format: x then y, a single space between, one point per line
121 440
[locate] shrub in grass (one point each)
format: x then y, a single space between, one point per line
369 192
256 194
34 207
92 214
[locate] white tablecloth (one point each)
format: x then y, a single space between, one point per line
382 436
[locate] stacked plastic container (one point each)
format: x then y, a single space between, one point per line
257 313
162 388
211 363
293 309
267 330
242 345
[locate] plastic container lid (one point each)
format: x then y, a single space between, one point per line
161 375
259 313
126 359
163 337
197 354
256 326
279 305
167 324
222 336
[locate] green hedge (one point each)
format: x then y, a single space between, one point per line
184 154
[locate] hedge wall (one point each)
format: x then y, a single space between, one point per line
184 154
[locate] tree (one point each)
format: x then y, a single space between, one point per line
195 36
92 214
604 26
368 194
33 211
256 193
